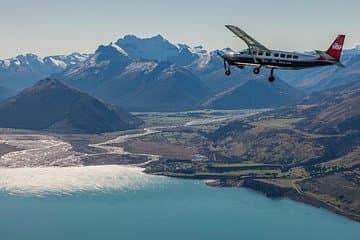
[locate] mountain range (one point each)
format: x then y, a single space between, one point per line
137 84
206 65
50 105
24 70
153 74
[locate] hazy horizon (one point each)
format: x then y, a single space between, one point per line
61 27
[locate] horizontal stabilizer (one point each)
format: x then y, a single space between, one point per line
325 56
340 64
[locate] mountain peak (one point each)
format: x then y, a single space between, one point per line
154 48
159 37
111 53
131 37
47 83
31 55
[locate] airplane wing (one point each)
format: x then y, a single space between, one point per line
251 42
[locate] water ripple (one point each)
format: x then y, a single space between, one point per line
68 180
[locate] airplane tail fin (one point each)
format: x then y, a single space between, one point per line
335 49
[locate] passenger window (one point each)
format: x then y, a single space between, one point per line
268 54
261 53
282 55
276 55
254 52
289 56
295 57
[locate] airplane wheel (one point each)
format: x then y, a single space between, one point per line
227 72
256 70
271 79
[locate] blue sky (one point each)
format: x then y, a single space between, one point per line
49 27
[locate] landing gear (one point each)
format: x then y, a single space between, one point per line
227 68
256 70
272 78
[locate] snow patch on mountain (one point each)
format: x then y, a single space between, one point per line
78 56
171 70
58 63
16 62
145 67
119 49
6 63
33 61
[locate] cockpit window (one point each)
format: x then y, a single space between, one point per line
261 53
254 52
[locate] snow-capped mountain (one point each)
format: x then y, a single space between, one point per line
107 61
154 48
121 78
206 65
24 70
159 49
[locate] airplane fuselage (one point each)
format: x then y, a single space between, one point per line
275 59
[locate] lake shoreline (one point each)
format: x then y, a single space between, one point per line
276 191
270 190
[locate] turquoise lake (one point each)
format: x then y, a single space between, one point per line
168 209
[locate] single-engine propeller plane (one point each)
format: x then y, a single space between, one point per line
258 56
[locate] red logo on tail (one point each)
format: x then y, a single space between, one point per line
336 48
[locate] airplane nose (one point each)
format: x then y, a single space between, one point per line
227 55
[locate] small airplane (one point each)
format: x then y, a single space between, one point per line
257 55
